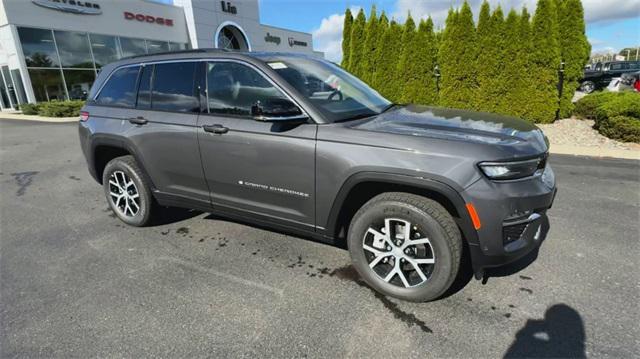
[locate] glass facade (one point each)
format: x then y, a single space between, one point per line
63 64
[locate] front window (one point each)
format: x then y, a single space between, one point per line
337 94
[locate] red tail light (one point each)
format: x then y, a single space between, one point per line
84 116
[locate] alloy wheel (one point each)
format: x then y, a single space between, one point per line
398 253
124 194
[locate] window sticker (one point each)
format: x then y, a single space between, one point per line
277 65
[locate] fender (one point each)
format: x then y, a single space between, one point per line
432 185
98 140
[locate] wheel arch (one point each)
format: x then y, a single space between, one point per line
104 148
361 187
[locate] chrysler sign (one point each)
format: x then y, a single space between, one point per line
73 6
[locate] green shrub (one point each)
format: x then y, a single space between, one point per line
586 106
623 104
29 108
622 128
60 108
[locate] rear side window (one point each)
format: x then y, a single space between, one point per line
120 89
173 87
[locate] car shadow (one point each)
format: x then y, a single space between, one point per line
169 215
560 334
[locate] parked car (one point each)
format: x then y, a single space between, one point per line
630 81
297 144
602 74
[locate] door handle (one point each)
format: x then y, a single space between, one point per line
219 129
138 120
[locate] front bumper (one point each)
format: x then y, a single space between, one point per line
512 216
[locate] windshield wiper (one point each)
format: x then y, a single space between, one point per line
389 107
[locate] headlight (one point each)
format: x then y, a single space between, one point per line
512 170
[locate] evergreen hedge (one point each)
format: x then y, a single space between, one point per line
68 108
505 65
616 114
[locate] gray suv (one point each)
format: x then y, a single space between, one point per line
299 145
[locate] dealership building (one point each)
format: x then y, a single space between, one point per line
53 49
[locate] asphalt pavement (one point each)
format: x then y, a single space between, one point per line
76 282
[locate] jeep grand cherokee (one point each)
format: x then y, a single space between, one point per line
300 145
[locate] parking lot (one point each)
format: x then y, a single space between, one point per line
76 282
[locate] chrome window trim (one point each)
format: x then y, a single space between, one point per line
252 66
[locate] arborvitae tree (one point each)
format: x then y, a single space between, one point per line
575 50
357 42
366 68
346 38
497 84
386 65
405 71
457 60
514 69
526 83
545 61
422 88
383 26
484 39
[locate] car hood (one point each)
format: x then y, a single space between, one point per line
454 124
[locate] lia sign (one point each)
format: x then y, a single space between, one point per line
80 7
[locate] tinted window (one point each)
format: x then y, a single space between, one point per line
233 88
173 87
73 48
105 49
131 47
120 89
615 67
144 89
38 47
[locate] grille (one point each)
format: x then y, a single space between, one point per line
513 233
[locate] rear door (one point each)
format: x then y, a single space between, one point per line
165 129
154 109
258 167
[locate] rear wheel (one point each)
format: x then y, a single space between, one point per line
128 192
405 246
588 87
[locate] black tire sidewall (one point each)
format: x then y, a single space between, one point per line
122 164
440 278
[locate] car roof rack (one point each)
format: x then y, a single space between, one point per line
191 51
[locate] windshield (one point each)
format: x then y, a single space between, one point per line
339 95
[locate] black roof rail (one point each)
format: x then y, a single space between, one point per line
192 51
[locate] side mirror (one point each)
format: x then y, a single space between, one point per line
273 110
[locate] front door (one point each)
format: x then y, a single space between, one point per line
264 168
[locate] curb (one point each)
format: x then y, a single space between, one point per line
15 116
594 152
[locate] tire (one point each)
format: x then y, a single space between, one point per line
588 87
125 170
427 220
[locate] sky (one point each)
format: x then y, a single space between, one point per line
611 24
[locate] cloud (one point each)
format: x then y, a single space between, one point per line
595 10
328 37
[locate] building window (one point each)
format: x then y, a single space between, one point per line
132 47
105 49
47 84
79 83
157 46
74 50
175 46
38 47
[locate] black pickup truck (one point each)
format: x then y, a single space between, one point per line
603 72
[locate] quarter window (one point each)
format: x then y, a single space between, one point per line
234 88
173 87
120 89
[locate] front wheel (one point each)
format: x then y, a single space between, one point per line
405 246
128 192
